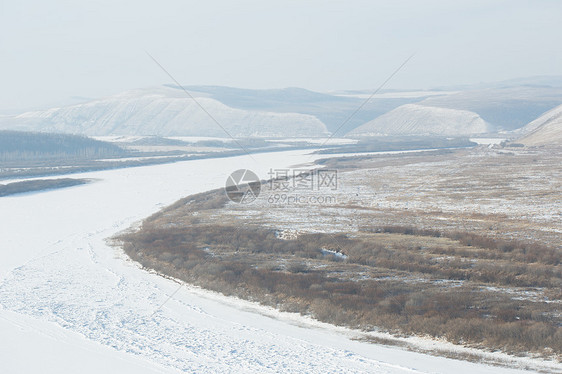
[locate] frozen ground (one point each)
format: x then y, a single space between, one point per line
71 303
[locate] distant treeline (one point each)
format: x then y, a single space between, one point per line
17 145
389 144
38 185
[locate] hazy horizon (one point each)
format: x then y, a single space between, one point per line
53 53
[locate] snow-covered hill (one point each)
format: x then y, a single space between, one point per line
414 119
506 107
547 129
295 112
164 111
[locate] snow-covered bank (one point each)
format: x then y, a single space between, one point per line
60 280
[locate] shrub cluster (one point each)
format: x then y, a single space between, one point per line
296 275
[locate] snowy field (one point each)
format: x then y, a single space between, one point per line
71 303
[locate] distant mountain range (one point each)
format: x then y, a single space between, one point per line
332 109
296 112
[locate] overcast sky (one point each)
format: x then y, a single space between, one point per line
52 52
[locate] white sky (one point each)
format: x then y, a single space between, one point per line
52 51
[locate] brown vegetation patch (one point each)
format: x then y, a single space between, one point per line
386 280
